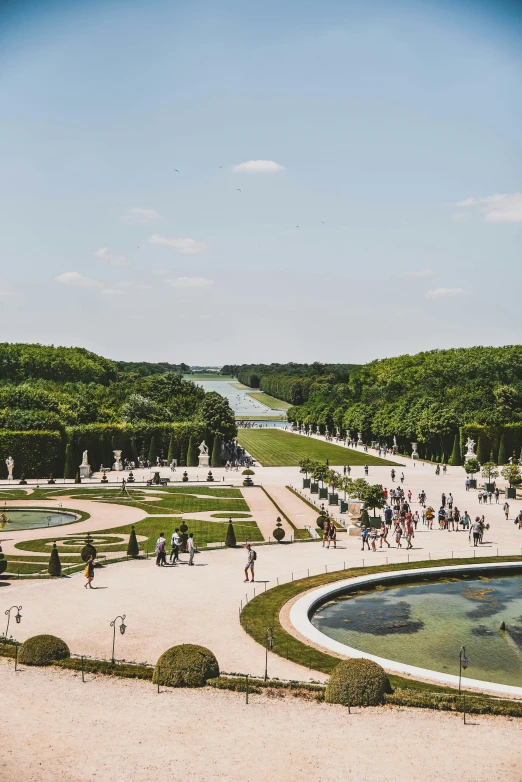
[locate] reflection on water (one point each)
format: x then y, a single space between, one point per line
426 624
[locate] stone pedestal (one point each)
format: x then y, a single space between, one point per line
204 460
117 464
85 470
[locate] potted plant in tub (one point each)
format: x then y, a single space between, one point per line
511 473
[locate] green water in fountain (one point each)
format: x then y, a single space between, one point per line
426 624
35 519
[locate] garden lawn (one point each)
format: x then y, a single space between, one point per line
269 401
276 448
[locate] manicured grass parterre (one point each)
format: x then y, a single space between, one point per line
269 401
164 516
277 448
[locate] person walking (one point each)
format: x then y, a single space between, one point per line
366 469
251 558
479 496
497 495
468 483
392 475
365 538
190 547
326 532
161 557
89 572
466 519
476 531
175 543
506 510
408 530
332 535
398 534
443 500
384 535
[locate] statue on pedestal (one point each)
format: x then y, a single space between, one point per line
414 454
203 455
85 467
470 453
10 466
117 463
359 438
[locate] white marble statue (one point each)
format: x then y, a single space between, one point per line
10 466
203 449
414 454
359 438
117 463
84 458
470 453
394 442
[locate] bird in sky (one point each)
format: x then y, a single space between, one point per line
221 166
297 226
176 170
239 189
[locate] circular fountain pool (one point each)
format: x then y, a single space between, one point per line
415 621
35 518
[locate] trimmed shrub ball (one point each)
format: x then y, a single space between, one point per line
186 665
42 650
357 683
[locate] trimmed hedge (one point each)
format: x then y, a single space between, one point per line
125 670
35 453
475 704
357 682
43 650
187 665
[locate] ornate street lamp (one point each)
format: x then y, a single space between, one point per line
18 617
123 627
269 644
463 662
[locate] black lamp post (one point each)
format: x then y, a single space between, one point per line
463 662
123 627
269 644
18 617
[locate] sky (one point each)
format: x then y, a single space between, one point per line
228 182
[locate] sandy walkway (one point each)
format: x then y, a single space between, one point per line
264 512
61 730
301 514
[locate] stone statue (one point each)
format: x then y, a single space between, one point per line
117 461
414 454
85 467
394 441
359 438
84 458
203 449
10 466
470 453
204 458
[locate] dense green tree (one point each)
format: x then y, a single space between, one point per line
69 469
215 460
153 450
455 458
192 457
502 459
217 416
482 454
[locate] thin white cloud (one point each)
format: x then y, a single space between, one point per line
500 208
77 280
440 293
419 273
140 216
258 167
184 246
115 260
190 282
112 292
125 286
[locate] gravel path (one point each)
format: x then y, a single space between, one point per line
61 730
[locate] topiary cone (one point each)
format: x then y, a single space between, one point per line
88 550
55 566
230 540
133 549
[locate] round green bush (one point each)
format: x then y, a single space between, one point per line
357 683
42 650
186 665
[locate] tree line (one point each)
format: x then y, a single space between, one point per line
435 398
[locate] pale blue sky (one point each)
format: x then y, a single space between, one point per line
382 116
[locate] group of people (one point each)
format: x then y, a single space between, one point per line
329 533
178 543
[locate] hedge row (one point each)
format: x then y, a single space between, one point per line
475 704
37 454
